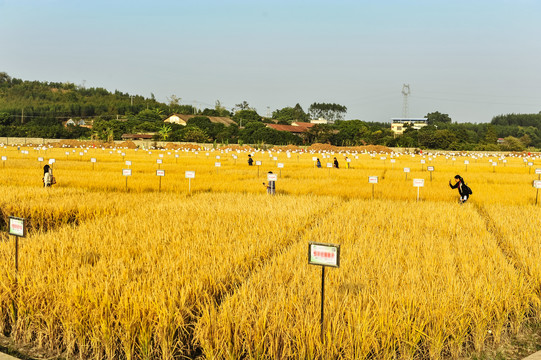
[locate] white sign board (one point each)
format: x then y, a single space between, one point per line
92 160
280 165
51 161
160 172
217 164
406 170
128 163
272 177
324 254
40 159
126 172
372 179
258 163
418 182
537 184
329 165
466 162
159 161
430 168
538 171
189 174
16 226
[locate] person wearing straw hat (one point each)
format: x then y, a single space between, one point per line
463 190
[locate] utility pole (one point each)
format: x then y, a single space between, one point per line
22 115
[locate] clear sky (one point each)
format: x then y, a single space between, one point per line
466 58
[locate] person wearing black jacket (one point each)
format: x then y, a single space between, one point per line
463 190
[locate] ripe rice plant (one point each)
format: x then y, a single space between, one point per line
115 269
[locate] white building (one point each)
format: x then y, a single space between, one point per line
399 124
321 121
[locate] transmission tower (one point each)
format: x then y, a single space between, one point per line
405 91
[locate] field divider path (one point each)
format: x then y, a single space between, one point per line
492 229
298 236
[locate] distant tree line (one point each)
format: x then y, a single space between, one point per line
38 109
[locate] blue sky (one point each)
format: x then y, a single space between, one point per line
470 59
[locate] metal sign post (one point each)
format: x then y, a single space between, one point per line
373 180
126 173
323 255
406 170
430 170
189 175
17 228
418 183
258 164
536 184
160 174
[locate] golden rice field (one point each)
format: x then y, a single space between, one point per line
118 267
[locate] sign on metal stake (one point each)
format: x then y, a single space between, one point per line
189 175
418 183
17 228
323 255
160 174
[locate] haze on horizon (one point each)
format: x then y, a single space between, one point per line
470 59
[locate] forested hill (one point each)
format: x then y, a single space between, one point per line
47 103
518 120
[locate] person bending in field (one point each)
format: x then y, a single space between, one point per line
271 186
463 190
47 176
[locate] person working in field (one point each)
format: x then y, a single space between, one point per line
271 186
463 190
335 163
250 160
47 176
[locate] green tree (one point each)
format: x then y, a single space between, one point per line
165 131
437 117
319 133
5 118
511 143
195 134
490 136
327 111
290 114
243 117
